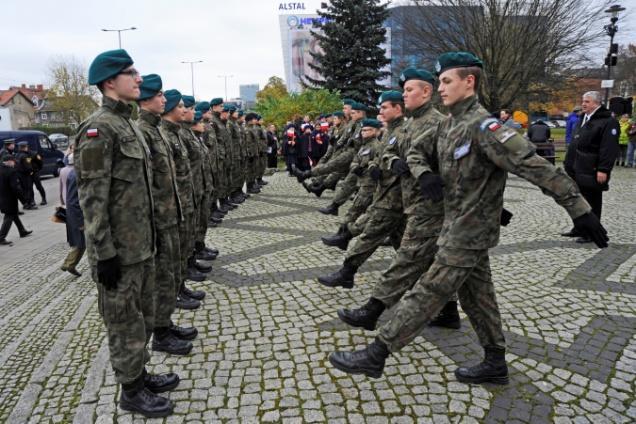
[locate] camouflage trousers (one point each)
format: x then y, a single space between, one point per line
238 176
262 165
328 181
168 274
360 204
413 258
221 178
464 271
346 189
186 241
204 212
380 223
128 313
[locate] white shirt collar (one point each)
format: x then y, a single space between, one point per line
588 116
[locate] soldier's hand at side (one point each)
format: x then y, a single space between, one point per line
506 216
399 167
431 186
109 272
589 225
375 173
358 171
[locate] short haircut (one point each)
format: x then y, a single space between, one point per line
508 112
395 103
471 70
594 95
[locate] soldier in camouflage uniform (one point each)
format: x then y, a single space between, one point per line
112 162
474 154
167 212
262 153
173 116
209 138
237 176
251 144
224 140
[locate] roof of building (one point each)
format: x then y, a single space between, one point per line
7 95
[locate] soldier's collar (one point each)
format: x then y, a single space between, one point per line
117 106
463 106
395 123
171 126
149 117
421 110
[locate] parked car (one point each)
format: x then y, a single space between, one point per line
60 140
38 142
559 123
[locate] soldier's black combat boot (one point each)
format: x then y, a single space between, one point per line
165 341
329 240
368 361
261 181
136 397
202 253
211 250
159 383
223 207
198 266
341 278
251 188
330 209
237 198
318 189
341 240
492 370
192 294
185 302
217 214
194 275
216 219
231 205
448 317
184 333
307 186
212 224
365 317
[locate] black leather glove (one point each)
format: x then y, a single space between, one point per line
358 171
109 272
399 167
431 186
375 173
506 216
589 225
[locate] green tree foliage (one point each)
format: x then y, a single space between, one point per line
70 92
278 108
351 60
275 88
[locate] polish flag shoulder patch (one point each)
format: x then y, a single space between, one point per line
92 132
494 126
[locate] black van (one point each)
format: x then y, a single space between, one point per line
38 142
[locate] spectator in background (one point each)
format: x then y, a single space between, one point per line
11 190
304 147
272 147
623 140
570 125
631 146
290 139
539 132
319 142
505 116
74 219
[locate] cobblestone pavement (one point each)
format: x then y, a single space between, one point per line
266 328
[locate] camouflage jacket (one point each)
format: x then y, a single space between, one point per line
422 122
251 141
388 193
262 140
171 132
112 162
209 138
164 185
346 148
235 135
367 153
475 152
206 161
223 139
197 155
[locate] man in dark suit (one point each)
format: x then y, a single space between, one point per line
10 192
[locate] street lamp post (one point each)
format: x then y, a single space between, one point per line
192 62
119 31
225 77
611 30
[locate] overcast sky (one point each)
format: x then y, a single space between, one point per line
239 38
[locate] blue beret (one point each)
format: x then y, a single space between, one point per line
216 101
390 96
173 97
197 116
9 141
416 74
188 101
108 65
371 123
150 86
452 60
339 114
202 106
358 106
348 102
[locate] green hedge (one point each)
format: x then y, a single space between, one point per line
51 130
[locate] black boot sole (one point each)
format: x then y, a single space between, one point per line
163 389
454 325
502 381
181 352
344 285
156 414
344 318
188 338
344 368
326 212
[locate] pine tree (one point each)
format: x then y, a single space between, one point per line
352 59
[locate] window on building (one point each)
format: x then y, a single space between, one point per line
44 116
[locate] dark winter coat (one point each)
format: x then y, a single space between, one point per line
74 215
539 132
288 148
593 149
10 190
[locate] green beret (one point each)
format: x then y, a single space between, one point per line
328 115
452 60
348 102
202 106
416 74
197 116
339 114
173 97
391 96
358 106
371 123
241 112
188 101
150 86
108 65
229 108
251 116
259 117
216 101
